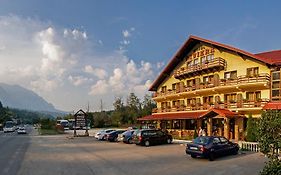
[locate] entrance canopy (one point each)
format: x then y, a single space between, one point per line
272 106
213 112
225 113
172 116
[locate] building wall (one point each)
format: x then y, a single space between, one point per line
234 61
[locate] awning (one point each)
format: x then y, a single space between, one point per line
172 116
272 106
221 112
192 115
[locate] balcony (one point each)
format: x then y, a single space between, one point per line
237 106
209 66
241 83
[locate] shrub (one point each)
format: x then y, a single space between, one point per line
251 130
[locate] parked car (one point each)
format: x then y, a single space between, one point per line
21 130
149 137
126 136
113 135
101 135
211 147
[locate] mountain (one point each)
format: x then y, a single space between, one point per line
15 96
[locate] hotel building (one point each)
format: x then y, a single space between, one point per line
214 86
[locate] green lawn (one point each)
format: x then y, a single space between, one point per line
49 132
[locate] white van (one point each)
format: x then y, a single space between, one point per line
63 123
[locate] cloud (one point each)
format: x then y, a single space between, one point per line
75 34
98 72
78 80
60 64
100 88
126 33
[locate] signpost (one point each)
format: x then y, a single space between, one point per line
80 122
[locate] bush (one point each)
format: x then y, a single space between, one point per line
46 123
272 168
195 133
251 130
269 129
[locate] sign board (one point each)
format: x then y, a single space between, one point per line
81 121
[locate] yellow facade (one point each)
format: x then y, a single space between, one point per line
212 76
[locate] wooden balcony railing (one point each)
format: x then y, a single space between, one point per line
240 81
227 105
209 66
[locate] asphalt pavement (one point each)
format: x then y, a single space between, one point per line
12 151
33 154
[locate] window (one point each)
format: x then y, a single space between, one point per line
164 89
275 85
223 140
174 86
275 93
210 57
216 140
276 75
230 75
252 72
203 59
196 61
190 124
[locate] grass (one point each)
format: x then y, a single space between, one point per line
49 131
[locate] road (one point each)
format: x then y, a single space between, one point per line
12 151
64 155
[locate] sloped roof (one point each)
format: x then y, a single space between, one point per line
274 57
188 45
221 112
172 116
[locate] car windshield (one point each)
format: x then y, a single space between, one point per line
201 140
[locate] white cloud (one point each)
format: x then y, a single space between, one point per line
126 33
75 34
100 88
78 80
98 72
61 64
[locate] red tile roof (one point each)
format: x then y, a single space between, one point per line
272 56
221 112
272 105
188 45
172 116
190 115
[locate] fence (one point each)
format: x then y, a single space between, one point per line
254 146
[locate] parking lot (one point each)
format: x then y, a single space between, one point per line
85 155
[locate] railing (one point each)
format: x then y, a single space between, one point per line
254 146
205 106
240 80
189 70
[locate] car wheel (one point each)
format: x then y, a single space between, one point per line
169 141
115 139
211 156
193 156
146 143
102 138
130 141
235 152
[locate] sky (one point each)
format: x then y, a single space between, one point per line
74 53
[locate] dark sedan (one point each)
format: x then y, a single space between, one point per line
211 147
112 136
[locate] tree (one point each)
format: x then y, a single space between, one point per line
251 130
148 105
269 138
133 108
